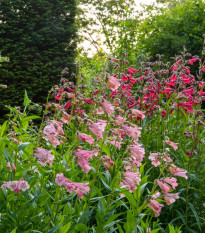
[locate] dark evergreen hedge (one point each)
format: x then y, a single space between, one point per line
39 37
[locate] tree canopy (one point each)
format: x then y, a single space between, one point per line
39 39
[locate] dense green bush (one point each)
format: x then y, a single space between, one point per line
167 29
39 39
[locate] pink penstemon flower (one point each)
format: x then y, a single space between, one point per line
83 157
172 181
130 181
132 131
177 171
78 188
165 187
155 206
44 156
113 83
170 198
137 154
98 128
66 117
172 144
107 162
138 113
108 107
119 120
86 138
154 157
16 186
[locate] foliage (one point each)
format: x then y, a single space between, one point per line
96 162
39 39
168 28
108 24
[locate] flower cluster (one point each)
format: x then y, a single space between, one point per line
78 188
15 186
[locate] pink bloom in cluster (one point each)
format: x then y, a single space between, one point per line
138 113
98 128
191 61
132 131
172 181
86 138
130 181
155 206
172 144
113 83
119 120
50 134
16 186
177 171
83 157
154 157
171 197
137 154
108 108
108 162
44 156
116 143
66 118
78 188
165 187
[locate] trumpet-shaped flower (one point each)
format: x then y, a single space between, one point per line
98 128
155 206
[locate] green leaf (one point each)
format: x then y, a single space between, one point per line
7 156
54 229
81 227
29 118
3 127
14 230
106 185
26 101
65 228
23 145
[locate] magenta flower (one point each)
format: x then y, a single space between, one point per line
86 138
98 128
155 206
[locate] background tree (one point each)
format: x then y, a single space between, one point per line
39 39
109 24
168 28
